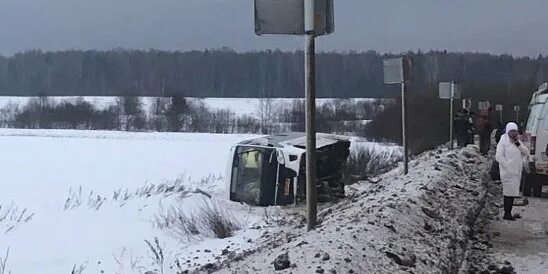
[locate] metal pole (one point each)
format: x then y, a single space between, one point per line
500 112
451 116
277 183
517 116
310 90
295 189
404 129
311 199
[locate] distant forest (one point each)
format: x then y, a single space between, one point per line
226 73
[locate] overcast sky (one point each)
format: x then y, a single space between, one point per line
518 27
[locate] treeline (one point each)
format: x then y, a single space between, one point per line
428 116
226 73
428 122
175 114
500 79
178 114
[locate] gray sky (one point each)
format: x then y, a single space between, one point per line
497 26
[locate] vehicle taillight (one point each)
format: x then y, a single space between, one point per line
533 144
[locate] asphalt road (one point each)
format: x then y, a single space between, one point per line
524 242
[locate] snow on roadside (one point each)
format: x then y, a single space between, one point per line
358 143
417 222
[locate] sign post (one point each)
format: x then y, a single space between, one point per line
310 93
516 110
310 18
451 91
451 142
499 109
397 71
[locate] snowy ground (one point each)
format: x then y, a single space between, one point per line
41 167
415 223
90 199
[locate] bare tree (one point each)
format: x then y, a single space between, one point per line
158 112
159 105
8 114
131 112
266 117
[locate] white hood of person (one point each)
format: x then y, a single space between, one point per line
511 126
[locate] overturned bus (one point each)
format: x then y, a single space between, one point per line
271 170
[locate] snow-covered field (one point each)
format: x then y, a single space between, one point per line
40 167
89 199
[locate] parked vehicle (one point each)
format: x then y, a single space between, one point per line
535 137
271 170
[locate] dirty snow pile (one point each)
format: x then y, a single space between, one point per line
415 223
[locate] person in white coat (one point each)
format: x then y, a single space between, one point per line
510 153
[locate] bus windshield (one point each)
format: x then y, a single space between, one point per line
246 174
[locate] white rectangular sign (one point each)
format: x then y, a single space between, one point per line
287 17
445 90
516 108
498 107
393 71
466 103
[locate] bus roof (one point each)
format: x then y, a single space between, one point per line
295 139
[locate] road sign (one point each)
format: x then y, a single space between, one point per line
393 71
398 71
288 17
467 103
516 110
498 107
448 90
451 91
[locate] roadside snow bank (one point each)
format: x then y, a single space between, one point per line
418 223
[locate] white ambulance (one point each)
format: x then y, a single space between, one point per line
535 137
